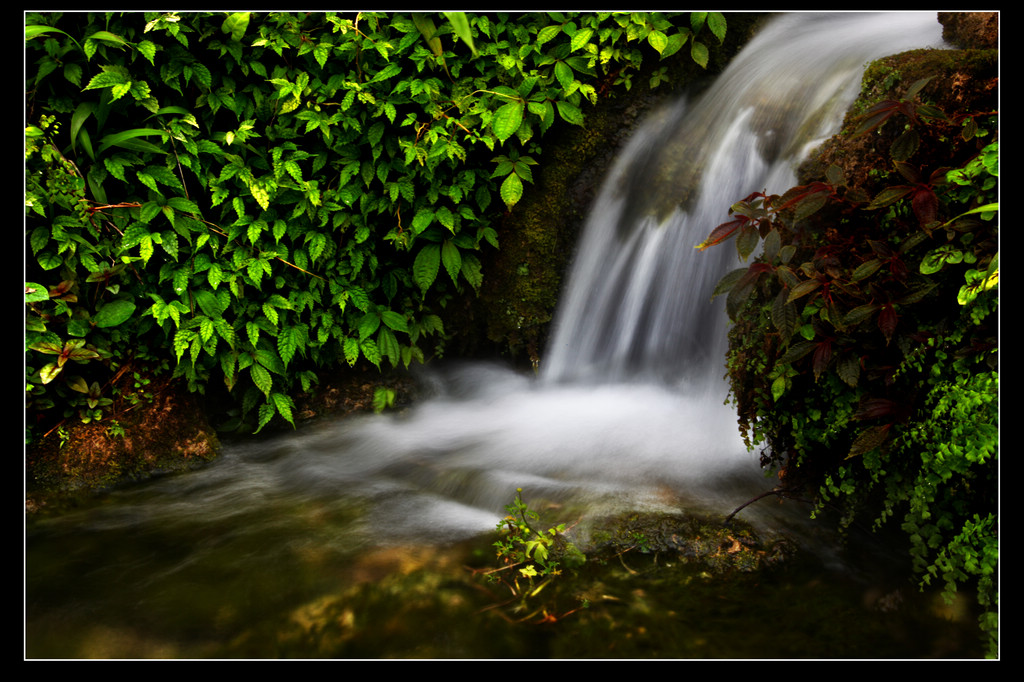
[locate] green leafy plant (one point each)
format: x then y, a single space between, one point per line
255 198
522 545
530 557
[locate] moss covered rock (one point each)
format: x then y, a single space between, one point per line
166 434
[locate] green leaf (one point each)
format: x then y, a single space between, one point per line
35 292
235 24
426 27
796 351
114 313
388 346
717 23
507 120
422 220
368 324
261 378
269 359
869 439
866 269
779 387
804 288
570 113
699 53
38 30
658 40
848 369
452 259
266 413
128 139
511 190
350 348
472 270
580 38
49 372
284 406
426 265
564 75
394 320
548 33
289 341
322 53
460 24
370 351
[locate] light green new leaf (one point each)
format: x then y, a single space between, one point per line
322 52
108 79
284 406
511 190
658 40
548 33
37 30
235 24
109 38
261 377
580 38
49 372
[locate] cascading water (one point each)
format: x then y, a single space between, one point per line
627 412
638 304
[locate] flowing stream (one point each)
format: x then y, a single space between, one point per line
627 413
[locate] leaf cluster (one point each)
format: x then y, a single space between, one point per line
863 358
533 552
257 198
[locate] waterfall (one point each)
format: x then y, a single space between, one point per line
627 416
638 305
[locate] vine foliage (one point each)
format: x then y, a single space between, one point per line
247 200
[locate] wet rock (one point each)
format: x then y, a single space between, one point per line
170 433
971 29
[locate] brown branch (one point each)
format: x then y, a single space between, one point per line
778 491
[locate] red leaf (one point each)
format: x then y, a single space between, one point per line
874 408
723 232
822 354
926 204
887 320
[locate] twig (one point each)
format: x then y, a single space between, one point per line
779 491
